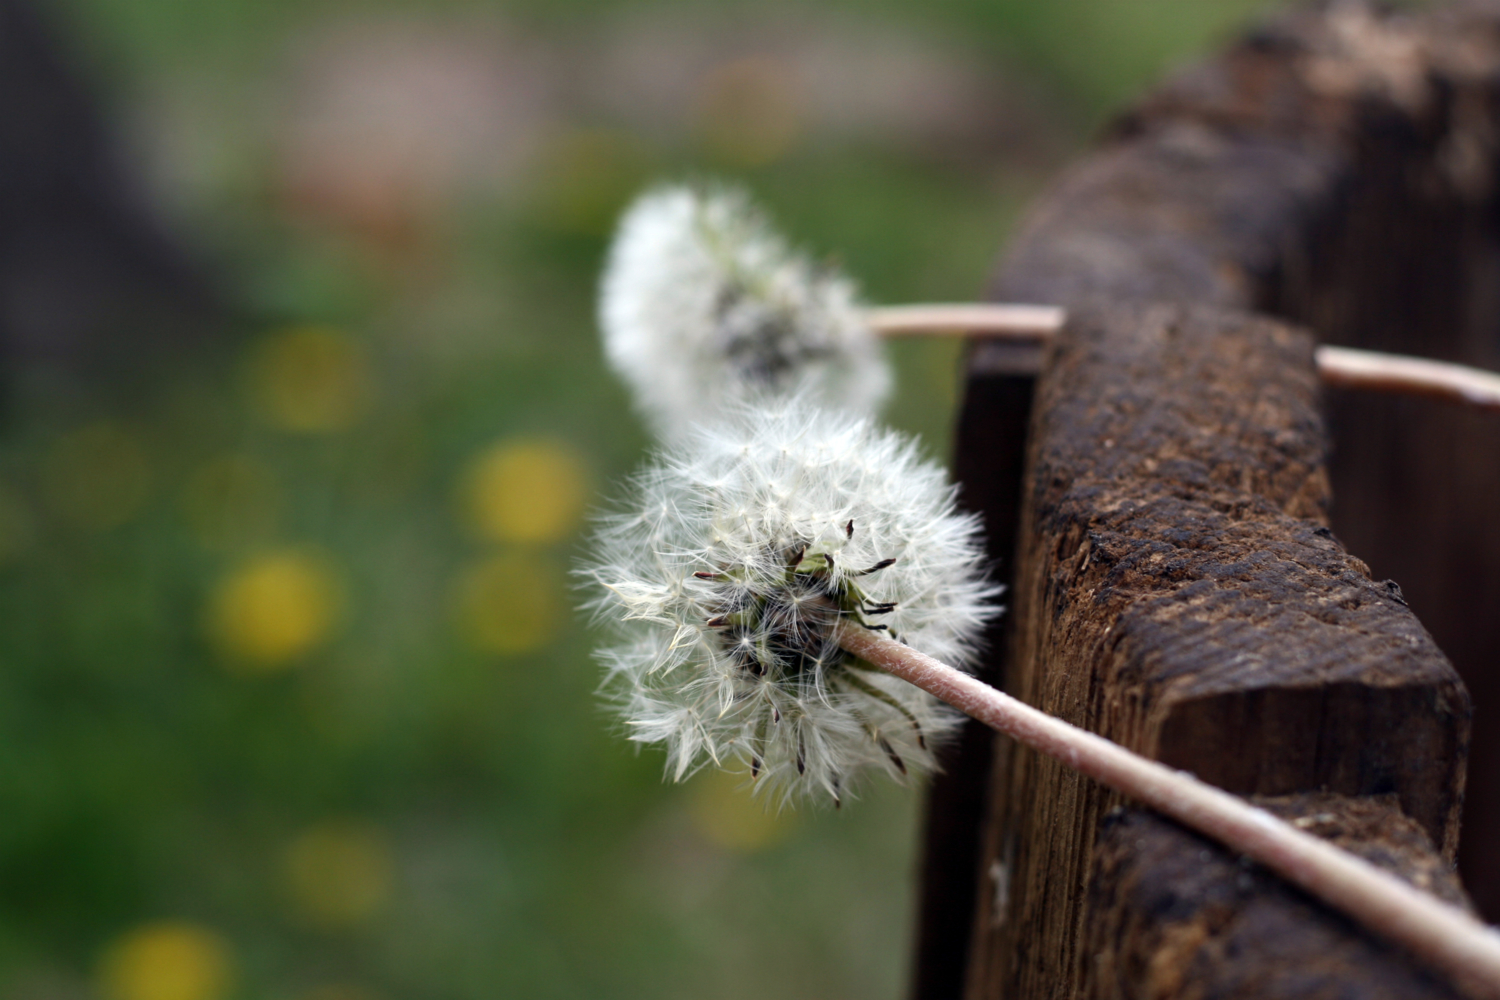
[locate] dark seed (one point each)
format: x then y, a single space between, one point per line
849 529
890 752
881 565
703 575
718 622
775 715
755 767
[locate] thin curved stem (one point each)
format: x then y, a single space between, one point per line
980 318
1345 367
1438 934
1354 369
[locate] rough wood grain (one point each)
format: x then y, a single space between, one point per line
1179 591
1173 915
1336 167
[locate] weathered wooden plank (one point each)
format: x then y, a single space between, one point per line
1174 915
1337 167
1180 592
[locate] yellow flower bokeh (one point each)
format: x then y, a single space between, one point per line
311 379
511 603
338 874
231 500
272 609
97 476
169 960
726 814
524 491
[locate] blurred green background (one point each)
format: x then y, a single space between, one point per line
293 702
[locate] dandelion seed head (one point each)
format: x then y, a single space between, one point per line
703 305
769 529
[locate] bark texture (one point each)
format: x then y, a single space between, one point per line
1335 168
1180 592
1173 915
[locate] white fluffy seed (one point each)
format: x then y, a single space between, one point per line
723 575
703 305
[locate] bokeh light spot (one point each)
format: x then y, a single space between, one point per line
338 874
230 501
747 112
511 603
272 609
726 814
97 476
311 379
166 961
524 491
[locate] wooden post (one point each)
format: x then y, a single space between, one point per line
1335 169
1180 592
1172 916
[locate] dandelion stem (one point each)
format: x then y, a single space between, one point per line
1353 369
1019 322
1439 934
1339 366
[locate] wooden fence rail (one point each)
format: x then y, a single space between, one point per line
1181 582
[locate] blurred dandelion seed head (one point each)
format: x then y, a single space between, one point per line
725 576
167 961
273 609
702 306
309 379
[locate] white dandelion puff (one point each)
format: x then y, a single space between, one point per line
741 582
724 577
703 305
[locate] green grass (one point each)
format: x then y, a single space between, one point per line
147 774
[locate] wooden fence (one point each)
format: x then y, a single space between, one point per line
1183 578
